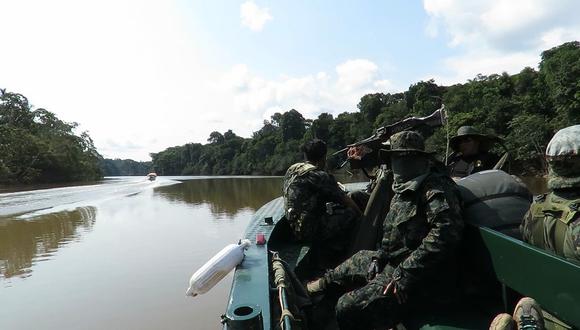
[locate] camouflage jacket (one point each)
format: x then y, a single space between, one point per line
461 166
422 229
553 223
306 191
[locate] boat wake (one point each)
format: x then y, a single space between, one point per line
31 204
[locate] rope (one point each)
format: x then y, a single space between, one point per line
286 312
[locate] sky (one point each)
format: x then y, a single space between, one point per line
141 76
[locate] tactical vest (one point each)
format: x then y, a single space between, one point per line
461 169
551 216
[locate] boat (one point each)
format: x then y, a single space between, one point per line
152 176
493 259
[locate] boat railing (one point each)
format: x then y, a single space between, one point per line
546 277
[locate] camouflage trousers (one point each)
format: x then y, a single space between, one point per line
365 307
331 244
360 198
339 225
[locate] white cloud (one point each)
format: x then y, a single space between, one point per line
383 85
354 74
134 75
493 36
310 94
253 16
467 66
125 70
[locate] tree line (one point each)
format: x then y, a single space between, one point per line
36 146
525 109
124 167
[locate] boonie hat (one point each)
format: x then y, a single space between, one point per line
408 141
472 132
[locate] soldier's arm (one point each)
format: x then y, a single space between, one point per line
328 186
351 204
526 227
446 228
572 241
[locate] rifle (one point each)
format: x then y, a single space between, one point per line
366 153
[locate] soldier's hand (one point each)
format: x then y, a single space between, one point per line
394 289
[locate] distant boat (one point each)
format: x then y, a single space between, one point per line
152 176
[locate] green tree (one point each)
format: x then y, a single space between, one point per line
292 125
215 138
525 109
560 69
36 146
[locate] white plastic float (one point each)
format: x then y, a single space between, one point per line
217 268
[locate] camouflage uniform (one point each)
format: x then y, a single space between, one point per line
313 204
421 230
461 166
553 221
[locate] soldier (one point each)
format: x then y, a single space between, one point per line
318 210
553 221
470 152
415 262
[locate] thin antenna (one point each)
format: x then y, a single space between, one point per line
447 144
446 123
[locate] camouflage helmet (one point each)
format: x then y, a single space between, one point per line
408 141
563 156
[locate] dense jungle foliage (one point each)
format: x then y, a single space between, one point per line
36 146
122 167
525 109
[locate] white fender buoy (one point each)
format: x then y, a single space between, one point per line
217 268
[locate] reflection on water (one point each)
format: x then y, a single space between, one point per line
23 242
119 254
225 196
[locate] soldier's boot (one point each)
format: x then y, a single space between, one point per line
502 321
317 286
528 315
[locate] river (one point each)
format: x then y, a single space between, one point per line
119 254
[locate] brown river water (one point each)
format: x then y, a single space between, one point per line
119 254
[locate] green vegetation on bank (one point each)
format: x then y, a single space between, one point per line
525 109
36 146
122 167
